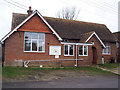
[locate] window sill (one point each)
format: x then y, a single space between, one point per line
83 55
68 55
35 51
106 54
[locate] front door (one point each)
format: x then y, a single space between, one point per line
94 51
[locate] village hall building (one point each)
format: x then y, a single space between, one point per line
40 41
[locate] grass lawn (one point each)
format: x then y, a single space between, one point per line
109 65
21 73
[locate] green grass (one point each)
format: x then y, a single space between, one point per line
19 72
109 65
13 72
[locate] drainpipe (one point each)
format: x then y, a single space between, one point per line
3 53
76 57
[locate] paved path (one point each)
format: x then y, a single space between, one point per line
73 82
114 70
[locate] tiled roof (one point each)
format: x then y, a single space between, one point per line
117 35
85 36
71 29
17 19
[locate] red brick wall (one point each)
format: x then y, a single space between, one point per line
35 24
14 47
113 53
14 50
99 50
98 47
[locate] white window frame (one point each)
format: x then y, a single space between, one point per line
83 50
103 50
31 44
68 51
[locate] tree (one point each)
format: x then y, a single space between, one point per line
68 13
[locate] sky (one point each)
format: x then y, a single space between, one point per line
96 11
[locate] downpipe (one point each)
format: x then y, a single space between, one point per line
76 65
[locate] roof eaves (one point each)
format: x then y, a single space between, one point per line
97 38
54 32
18 27
15 29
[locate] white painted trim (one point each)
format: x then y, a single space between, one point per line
54 32
31 43
68 51
18 26
35 12
83 50
106 53
36 51
68 55
97 38
107 50
66 43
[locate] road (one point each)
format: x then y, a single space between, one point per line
69 82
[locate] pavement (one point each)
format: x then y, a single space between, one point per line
114 70
69 82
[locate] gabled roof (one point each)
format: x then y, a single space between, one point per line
18 24
97 38
85 36
69 29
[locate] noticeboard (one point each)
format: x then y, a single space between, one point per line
54 50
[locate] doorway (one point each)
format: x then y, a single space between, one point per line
94 52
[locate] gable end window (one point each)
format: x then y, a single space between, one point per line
34 42
107 50
68 50
83 50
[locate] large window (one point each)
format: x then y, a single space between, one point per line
83 50
69 50
107 50
34 42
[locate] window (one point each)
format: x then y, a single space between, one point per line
34 42
117 44
107 50
83 50
69 50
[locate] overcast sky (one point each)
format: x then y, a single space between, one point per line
96 11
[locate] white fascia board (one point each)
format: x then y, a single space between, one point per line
26 21
54 32
67 43
97 38
18 26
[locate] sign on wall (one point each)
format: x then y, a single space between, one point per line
55 50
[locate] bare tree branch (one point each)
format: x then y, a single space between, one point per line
68 13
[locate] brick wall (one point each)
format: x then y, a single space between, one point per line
14 51
98 47
15 55
113 53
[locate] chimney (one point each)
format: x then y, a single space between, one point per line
29 11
